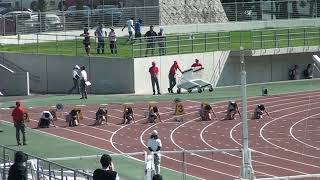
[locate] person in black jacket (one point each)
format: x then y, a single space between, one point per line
18 171
107 171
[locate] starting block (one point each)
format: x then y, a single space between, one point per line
53 112
26 117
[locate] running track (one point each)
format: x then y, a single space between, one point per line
286 144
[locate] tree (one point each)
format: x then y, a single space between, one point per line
42 5
79 4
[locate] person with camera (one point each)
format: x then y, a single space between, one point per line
107 170
18 171
154 146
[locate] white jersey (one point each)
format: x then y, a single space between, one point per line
43 116
75 74
154 143
84 75
130 25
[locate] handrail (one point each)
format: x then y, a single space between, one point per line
4 148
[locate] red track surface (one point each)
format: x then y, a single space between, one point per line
288 144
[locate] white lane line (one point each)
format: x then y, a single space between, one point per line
291 133
112 143
173 141
261 133
61 137
265 154
141 140
77 132
135 114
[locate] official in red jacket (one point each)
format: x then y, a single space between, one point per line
19 124
172 76
154 71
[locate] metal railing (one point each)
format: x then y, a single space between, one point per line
220 41
188 13
39 168
168 45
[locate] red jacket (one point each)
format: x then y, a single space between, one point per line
17 114
196 65
154 70
173 69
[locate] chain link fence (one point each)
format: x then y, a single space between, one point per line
71 19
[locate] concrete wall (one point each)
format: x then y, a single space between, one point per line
107 75
14 84
115 75
266 68
210 61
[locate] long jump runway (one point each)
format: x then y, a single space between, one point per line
285 145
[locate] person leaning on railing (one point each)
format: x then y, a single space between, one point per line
150 38
113 41
161 42
100 33
86 40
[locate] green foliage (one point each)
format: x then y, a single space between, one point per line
42 5
79 4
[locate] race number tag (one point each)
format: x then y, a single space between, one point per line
179 109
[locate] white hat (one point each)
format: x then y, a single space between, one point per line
154 132
76 67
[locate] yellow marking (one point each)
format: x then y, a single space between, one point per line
179 109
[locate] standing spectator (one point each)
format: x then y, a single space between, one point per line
100 33
172 76
75 78
137 28
130 28
157 177
113 41
18 120
294 73
18 171
83 80
154 71
196 64
154 146
107 171
308 73
161 42
150 38
86 40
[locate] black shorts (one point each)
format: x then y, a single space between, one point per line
86 45
44 123
137 35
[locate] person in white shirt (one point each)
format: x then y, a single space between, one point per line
113 41
107 171
130 28
83 80
154 145
100 33
45 120
75 78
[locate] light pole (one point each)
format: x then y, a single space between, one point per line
246 165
